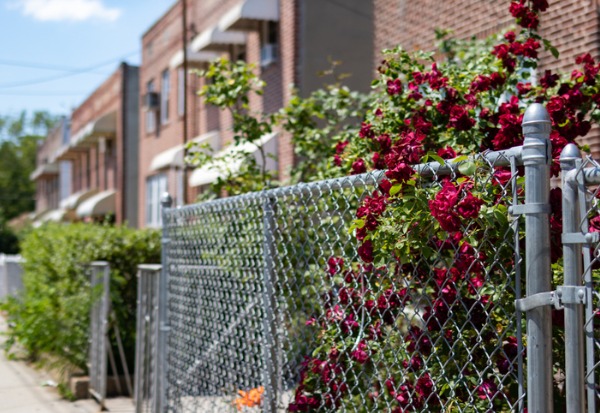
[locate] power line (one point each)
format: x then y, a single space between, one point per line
62 76
43 66
41 93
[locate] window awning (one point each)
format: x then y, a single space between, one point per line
220 167
173 157
245 15
105 125
73 200
47 169
194 59
54 215
216 40
98 205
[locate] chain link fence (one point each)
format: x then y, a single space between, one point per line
259 283
579 295
146 379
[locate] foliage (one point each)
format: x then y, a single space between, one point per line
229 86
52 315
19 138
420 323
320 126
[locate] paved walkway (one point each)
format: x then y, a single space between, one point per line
22 390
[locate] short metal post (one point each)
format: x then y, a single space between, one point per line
163 322
572 259
536 158
269 321
139 344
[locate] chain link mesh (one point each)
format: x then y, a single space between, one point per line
590 222
252 284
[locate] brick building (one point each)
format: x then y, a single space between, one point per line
572 26
289 41
120 155
102 151
52 177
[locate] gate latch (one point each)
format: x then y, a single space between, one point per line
580 238
564 294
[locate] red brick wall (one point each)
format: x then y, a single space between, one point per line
571 25
159 44
91 168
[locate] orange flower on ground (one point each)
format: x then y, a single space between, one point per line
249 398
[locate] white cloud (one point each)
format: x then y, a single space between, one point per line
60 10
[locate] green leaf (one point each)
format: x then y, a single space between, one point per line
395 189
467 168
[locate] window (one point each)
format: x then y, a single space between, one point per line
155 186
268 43
164 97
150 112
181 92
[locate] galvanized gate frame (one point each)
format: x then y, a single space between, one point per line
147 332
100 276
101 320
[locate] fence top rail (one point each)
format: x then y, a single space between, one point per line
149 267
99 264
10 258
425 170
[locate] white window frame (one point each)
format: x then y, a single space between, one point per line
180 92
165 78
156 185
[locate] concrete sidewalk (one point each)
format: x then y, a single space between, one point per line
22 390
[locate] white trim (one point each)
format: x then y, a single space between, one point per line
239 17
218 168
98 205
173 157
193 58
216 39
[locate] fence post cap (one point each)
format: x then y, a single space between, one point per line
536 113
166 200
536 121
570 153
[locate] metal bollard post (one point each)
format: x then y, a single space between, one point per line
572 258
163 322
536 158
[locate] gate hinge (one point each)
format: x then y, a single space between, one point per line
529 209
564 294
580 238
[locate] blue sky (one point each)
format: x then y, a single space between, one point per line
77 42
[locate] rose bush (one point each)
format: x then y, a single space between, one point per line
424 320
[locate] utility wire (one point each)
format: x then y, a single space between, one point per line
43 66
61 76
40 93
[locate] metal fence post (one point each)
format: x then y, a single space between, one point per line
269 320
163 323
536 158
573 270
99 341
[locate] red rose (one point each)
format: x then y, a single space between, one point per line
358 166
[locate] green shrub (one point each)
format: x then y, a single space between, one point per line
52 315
